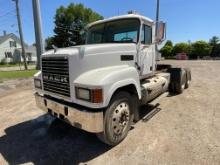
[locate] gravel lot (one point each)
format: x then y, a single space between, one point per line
183 129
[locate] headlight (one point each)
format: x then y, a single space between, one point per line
37 83
83 94
90 95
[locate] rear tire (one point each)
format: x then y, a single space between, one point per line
117 119
187 84
188 77
181 85
177 80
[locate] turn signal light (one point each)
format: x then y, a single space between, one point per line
97 96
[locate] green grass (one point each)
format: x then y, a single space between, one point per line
16 74
8 65
14 65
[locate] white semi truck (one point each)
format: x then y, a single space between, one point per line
99 87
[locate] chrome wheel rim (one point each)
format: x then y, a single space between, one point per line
188 82
183 86
120 118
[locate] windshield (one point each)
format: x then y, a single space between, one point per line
119 31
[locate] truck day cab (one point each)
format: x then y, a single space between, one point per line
99 87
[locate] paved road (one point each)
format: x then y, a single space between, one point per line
184 129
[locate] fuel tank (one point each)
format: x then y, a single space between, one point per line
154 86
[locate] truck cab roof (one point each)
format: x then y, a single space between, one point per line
127 16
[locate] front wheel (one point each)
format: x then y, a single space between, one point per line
117 119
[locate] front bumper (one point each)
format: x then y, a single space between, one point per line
77 117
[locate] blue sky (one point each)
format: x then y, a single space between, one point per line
186 19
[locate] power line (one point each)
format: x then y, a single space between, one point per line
8 13
6 22
9 16
8 31
6 19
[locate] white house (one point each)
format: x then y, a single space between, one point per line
10 49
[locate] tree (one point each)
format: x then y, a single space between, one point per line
182 48
214 41
70 23
200 49
218 50
215 46
167 50
49 42
169 43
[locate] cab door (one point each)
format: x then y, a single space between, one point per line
147 50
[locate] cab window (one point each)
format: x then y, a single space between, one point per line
118 31
146 35
126 36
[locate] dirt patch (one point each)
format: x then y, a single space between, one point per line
184 129
8 85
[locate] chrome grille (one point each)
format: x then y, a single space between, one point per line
55 74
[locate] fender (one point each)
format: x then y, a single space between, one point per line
109 79
120 84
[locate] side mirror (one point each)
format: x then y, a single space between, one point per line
161 32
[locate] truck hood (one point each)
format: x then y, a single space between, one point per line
88 57
102 59
93 49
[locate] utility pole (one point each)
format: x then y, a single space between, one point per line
156 30
157 15
21 34
38 30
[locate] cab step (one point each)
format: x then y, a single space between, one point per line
156 101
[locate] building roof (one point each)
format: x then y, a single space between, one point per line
13 36
28 49
140 17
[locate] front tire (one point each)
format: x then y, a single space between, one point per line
117 119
